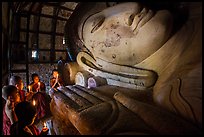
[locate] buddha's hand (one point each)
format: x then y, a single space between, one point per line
89 111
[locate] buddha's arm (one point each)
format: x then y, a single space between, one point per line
160 120
94 113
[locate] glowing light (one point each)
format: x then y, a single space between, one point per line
34 54
44 125
29 88
34 103
63 40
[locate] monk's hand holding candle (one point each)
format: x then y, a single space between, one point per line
38 89
29 94
44 130
29 88
34 103
56 80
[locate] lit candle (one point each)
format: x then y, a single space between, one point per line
57 75
28 88
33 102
44 125
38 86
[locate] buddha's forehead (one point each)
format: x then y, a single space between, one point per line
122 8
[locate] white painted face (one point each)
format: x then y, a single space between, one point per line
127 33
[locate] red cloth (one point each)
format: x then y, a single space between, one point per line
22 95
34 86
52 81
6 123
42 104
34 129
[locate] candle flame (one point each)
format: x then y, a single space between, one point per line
29 88
44 124
38 83
33 102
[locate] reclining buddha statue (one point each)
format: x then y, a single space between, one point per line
151 58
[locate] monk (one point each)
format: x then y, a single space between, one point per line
18 82
36 84
56 80
12 97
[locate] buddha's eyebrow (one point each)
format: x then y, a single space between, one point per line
85 22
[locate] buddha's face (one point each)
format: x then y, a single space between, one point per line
127 33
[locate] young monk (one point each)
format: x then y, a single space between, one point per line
36 84
56 80
26 114
41 98
42 101
18 82
11 95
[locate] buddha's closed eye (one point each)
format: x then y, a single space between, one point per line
130 19
98 23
